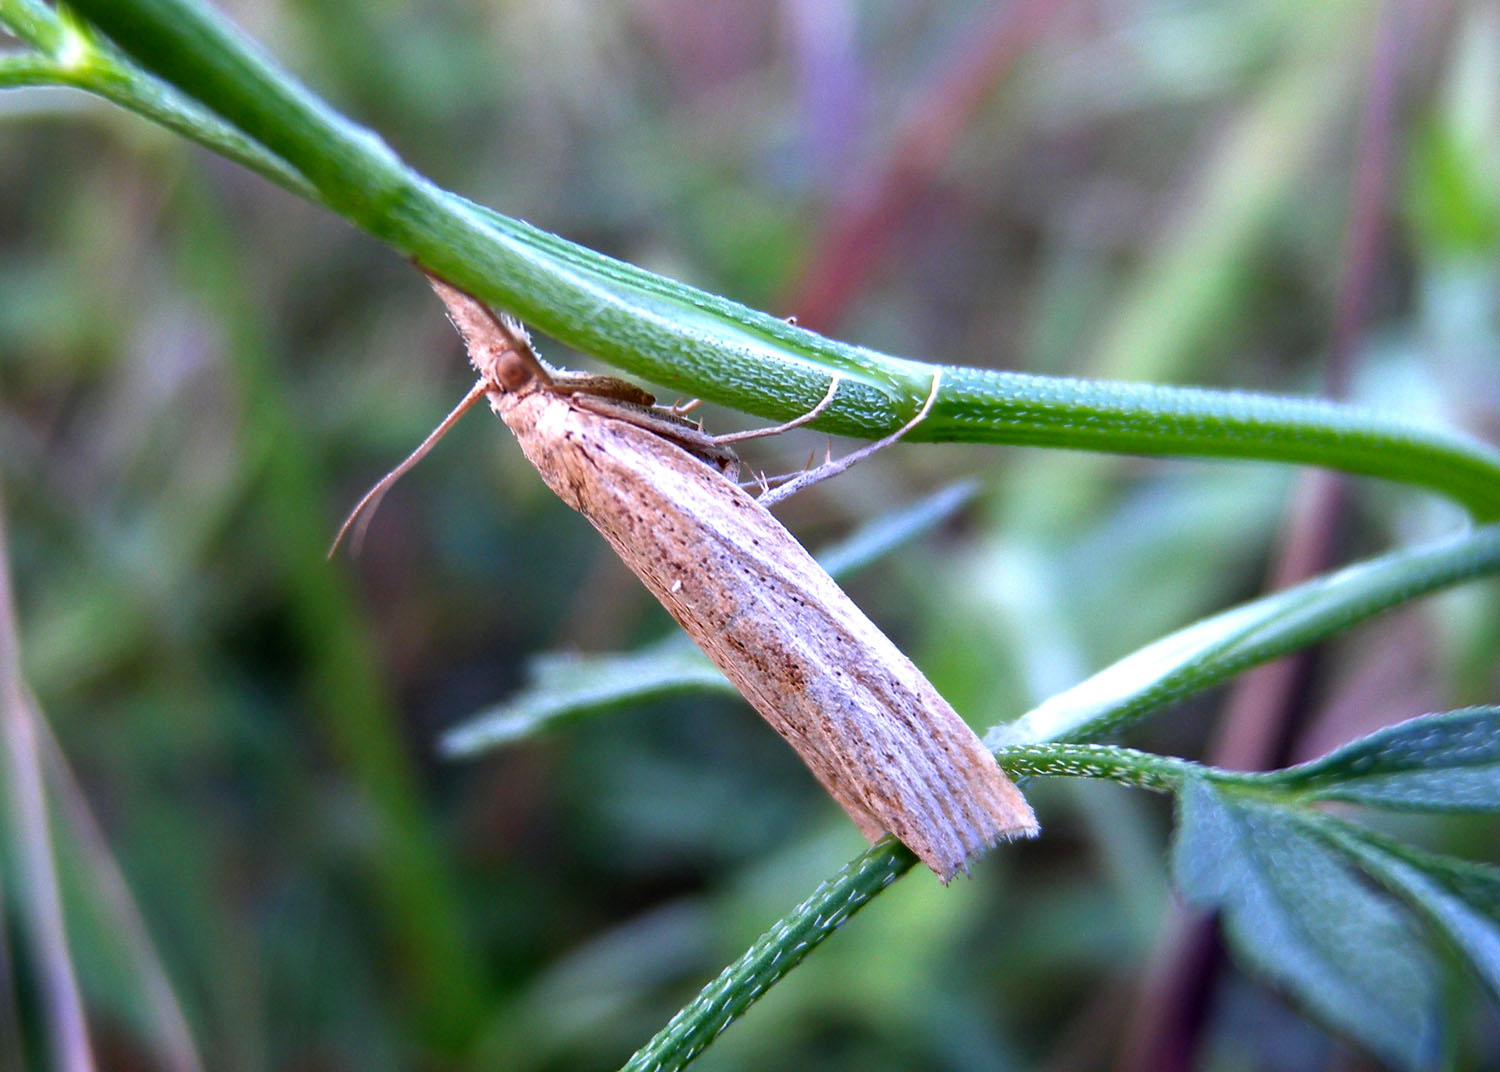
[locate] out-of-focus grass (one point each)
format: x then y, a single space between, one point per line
198 373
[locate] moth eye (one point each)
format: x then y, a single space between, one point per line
512 371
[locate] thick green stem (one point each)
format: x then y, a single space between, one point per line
700 344
34 23
777 952
68 54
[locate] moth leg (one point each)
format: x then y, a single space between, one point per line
577 384
662 422
682 409
798 422
834 468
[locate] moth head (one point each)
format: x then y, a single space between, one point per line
515 365
499 347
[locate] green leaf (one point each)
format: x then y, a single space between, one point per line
565 688
1458 899
1420 763
1297 911
1444 762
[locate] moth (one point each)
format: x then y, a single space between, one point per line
866 722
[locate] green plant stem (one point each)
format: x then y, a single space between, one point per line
784 946
68 54
701 344
1055 737
34 23
1126 766
1129 766
1214 649
25 818
777 952
19 69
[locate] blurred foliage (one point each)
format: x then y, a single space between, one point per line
199 373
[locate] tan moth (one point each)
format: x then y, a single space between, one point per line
864 719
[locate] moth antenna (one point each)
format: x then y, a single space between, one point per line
371 500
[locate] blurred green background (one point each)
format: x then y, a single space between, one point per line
199 374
